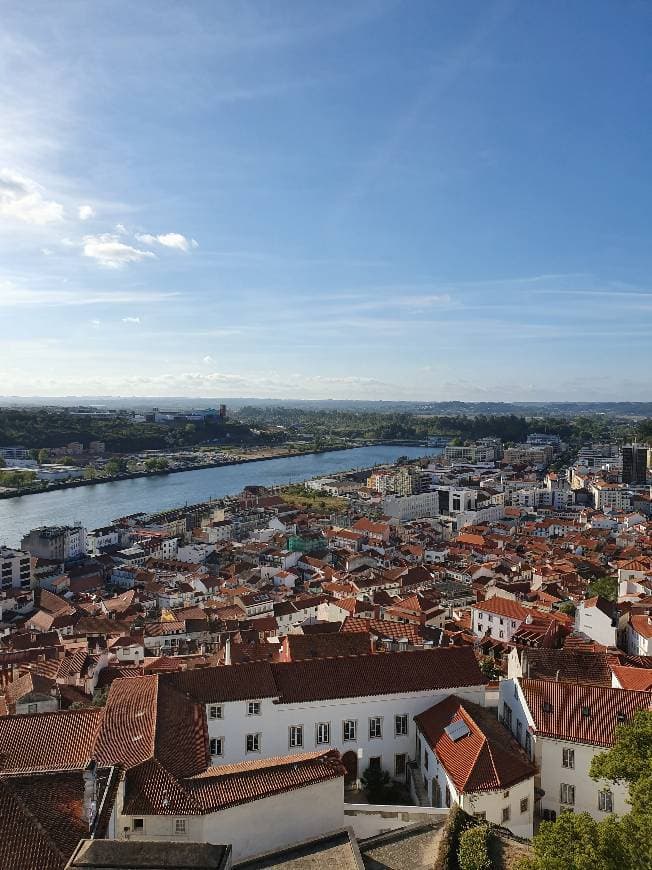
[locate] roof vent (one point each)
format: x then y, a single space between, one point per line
547 707
586 712
621 717
456 730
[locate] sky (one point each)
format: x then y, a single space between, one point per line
421 200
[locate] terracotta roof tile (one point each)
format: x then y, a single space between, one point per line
48 741
583 713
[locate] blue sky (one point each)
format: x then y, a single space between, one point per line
380 199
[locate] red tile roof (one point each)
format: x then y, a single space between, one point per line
345 677
485 759
150 790
563 716
638 679
48 741
502 607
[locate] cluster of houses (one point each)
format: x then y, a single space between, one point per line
214 673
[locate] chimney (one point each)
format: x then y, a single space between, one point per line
90 793
227 651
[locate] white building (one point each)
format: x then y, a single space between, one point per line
466 756
411 507
598 619
15 570
639 634
363 706
498 617
562 727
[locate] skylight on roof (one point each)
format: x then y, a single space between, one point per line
457 730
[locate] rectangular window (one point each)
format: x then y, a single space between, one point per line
525 803
179 826
568 758
606 801
507 715
252 743
323 733
138 825
425 759
217 746
400 764
481 817
216 711
448 796
253 708
375 727
401 725
375 762
519 730
32 708
528 744
349 730
296 736
506 814
567 794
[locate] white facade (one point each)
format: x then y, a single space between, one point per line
563 777
411 507
595 624
274 722
15 570
638 644
264 825
512 808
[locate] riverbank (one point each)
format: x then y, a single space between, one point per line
58 486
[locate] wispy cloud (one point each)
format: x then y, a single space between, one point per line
177 241
12 294
135 320
110 251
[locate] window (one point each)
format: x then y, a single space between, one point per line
216 711
606 801
252 743
507 715
32 708
567 794
505 814
621 717
179 826
296 736
375 762
528 744
425 759
586 712
217 746
138 825
525 804
490 617
253 708
568 758
448 796
481 817
501 634
547 707
401 725
519 730
375 727
400 765
323 733
349 729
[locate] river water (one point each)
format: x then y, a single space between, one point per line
97 505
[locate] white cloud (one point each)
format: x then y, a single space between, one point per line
95 323
208 359
22 199
46 252
13 294
109 251
131 319
85 212
168 240
121 229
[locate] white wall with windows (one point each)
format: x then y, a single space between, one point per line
376 728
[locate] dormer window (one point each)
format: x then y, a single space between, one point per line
621 718
547 707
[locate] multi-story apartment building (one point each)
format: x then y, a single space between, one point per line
59 543
474 453
606 495
15 570
411 507
635 464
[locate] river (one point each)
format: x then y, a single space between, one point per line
99 504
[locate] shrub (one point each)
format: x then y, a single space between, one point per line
473 852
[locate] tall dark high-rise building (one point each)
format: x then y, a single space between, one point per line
634 464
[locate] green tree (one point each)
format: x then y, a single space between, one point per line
3 464
568 608
630 758
577 842
473 852
112 467
489 668
43 455
378 785
607 587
